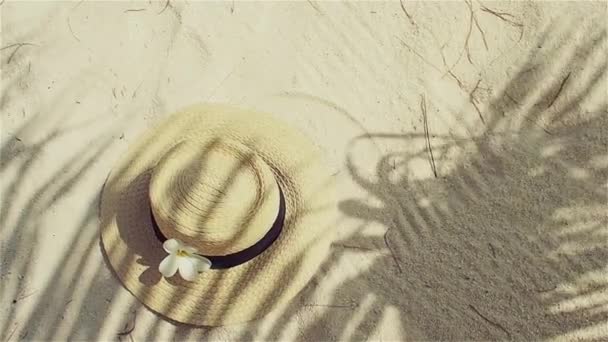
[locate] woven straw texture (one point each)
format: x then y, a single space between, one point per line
219 197
179 157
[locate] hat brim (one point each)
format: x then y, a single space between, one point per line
240 293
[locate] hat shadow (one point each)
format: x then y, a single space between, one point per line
145 253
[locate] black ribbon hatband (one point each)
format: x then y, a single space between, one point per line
241 257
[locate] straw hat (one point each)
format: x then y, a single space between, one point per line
244 197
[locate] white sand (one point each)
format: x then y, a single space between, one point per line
508 241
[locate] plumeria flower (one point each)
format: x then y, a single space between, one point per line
184 259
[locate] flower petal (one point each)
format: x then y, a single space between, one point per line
172 245
202 264
187 268
168 266
188 249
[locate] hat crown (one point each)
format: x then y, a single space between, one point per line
217 196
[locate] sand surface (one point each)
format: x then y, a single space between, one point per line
500 234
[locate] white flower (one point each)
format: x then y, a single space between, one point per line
184 259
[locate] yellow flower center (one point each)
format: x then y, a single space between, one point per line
182 253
